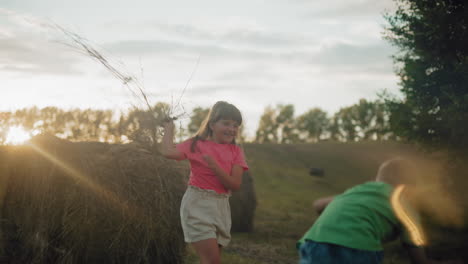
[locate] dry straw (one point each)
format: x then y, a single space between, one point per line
95 203
130 81
243 205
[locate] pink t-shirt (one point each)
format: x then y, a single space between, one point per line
201 175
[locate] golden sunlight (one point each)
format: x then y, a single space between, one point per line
409 220
17 135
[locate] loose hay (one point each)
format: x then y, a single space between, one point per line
243 204
112 204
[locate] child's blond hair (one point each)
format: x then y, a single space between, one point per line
397 171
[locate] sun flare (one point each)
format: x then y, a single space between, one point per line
17 135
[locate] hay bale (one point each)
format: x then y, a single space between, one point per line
89 202
318 172
243 204
3 185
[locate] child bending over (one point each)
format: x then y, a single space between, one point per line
353 226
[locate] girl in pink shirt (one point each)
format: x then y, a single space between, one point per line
216 168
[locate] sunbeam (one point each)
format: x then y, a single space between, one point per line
98 190
414 229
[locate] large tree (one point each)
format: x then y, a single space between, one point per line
277 125
432 36
287 125
267 127
312 125
198 115
366 120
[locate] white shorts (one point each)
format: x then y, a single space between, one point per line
205 214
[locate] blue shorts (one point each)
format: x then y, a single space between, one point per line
311 252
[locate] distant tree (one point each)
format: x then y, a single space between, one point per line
4 125
118 130
241 135
371 120
380 127
334 128
50 117
277 125
267 127
78 126
143 125
312 125
287 129
366 120
198 115
26 117
346 121
433 67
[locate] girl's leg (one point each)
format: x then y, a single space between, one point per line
208 251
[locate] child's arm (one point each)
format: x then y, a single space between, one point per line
321 204
231 181
168 148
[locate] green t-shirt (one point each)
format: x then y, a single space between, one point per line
360 218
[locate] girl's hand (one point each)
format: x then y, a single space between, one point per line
231 180
210 161
168 149
169 126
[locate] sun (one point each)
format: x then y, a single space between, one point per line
17 135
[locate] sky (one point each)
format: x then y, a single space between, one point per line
251 53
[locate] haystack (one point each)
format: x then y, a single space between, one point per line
89 202
243 204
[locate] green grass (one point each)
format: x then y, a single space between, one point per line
285 193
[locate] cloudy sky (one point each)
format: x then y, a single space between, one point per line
252 53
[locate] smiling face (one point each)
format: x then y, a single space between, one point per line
221 125
224 131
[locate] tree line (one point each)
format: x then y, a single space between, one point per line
366 120
86 124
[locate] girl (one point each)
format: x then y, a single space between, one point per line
216 167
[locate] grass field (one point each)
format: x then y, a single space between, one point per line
286 191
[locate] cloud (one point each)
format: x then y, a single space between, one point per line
371 57
160 46
240 36
253 68
345 9
26 47
345 51
29 55
256 74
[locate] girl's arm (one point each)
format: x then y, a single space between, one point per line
168 148
321 204
231 181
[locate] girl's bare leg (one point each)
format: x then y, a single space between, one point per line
208 250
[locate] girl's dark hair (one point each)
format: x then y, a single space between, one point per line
220 110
